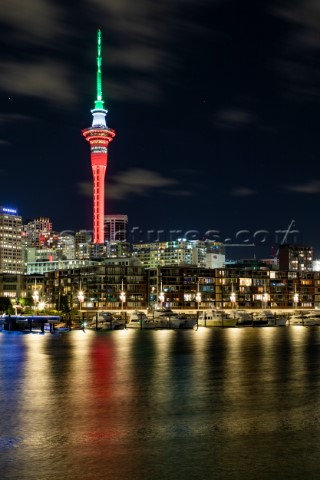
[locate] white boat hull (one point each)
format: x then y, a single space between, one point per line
212 318
167 323
141 325
228 322
281 321
187 322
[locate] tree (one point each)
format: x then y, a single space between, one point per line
5 305
64 305
26 301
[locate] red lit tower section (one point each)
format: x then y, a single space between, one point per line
99 135
99 139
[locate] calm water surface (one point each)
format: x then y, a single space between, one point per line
238 403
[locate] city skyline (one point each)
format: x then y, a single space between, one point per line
215 104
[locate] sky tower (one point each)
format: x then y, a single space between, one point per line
98 135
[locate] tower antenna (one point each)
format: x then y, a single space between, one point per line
99 102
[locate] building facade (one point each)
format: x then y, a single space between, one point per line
11 259
38 232
206 254
295 257
101 285
116 228
182 287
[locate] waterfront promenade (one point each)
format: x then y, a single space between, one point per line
191 319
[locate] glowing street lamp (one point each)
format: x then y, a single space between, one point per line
122 296
265 299
233 299
296 299
161 296
42 305
198 298
36 298
80 298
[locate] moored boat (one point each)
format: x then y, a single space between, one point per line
243 318
312 318
106 321
264 318
296 319
138 319
165 318
187 321
281 319
216 318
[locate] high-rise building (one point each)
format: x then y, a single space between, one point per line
99 136
10 241
11 261
180 252
295 257
208 253
82 244
37 232
116 228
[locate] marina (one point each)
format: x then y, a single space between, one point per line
165 319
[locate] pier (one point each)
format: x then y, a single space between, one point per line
28 323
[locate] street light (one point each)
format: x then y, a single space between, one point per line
233 299
80 298
265 299
198 298
161 297
122 296
36 298
161 294
41 305
296 299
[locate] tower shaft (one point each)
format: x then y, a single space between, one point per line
99 139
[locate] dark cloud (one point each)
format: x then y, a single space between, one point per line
136 182
46 80
243 192
304 18
313 187
234 118
33 21
6 118
298 48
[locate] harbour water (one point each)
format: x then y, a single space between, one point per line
238 403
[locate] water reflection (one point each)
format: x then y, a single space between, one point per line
212 403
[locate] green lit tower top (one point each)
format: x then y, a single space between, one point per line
99 102
99 112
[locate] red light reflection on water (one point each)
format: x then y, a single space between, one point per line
102 356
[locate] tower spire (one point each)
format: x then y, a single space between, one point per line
99 135
99 102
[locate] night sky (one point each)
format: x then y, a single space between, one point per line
216 106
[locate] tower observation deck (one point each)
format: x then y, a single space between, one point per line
99 135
